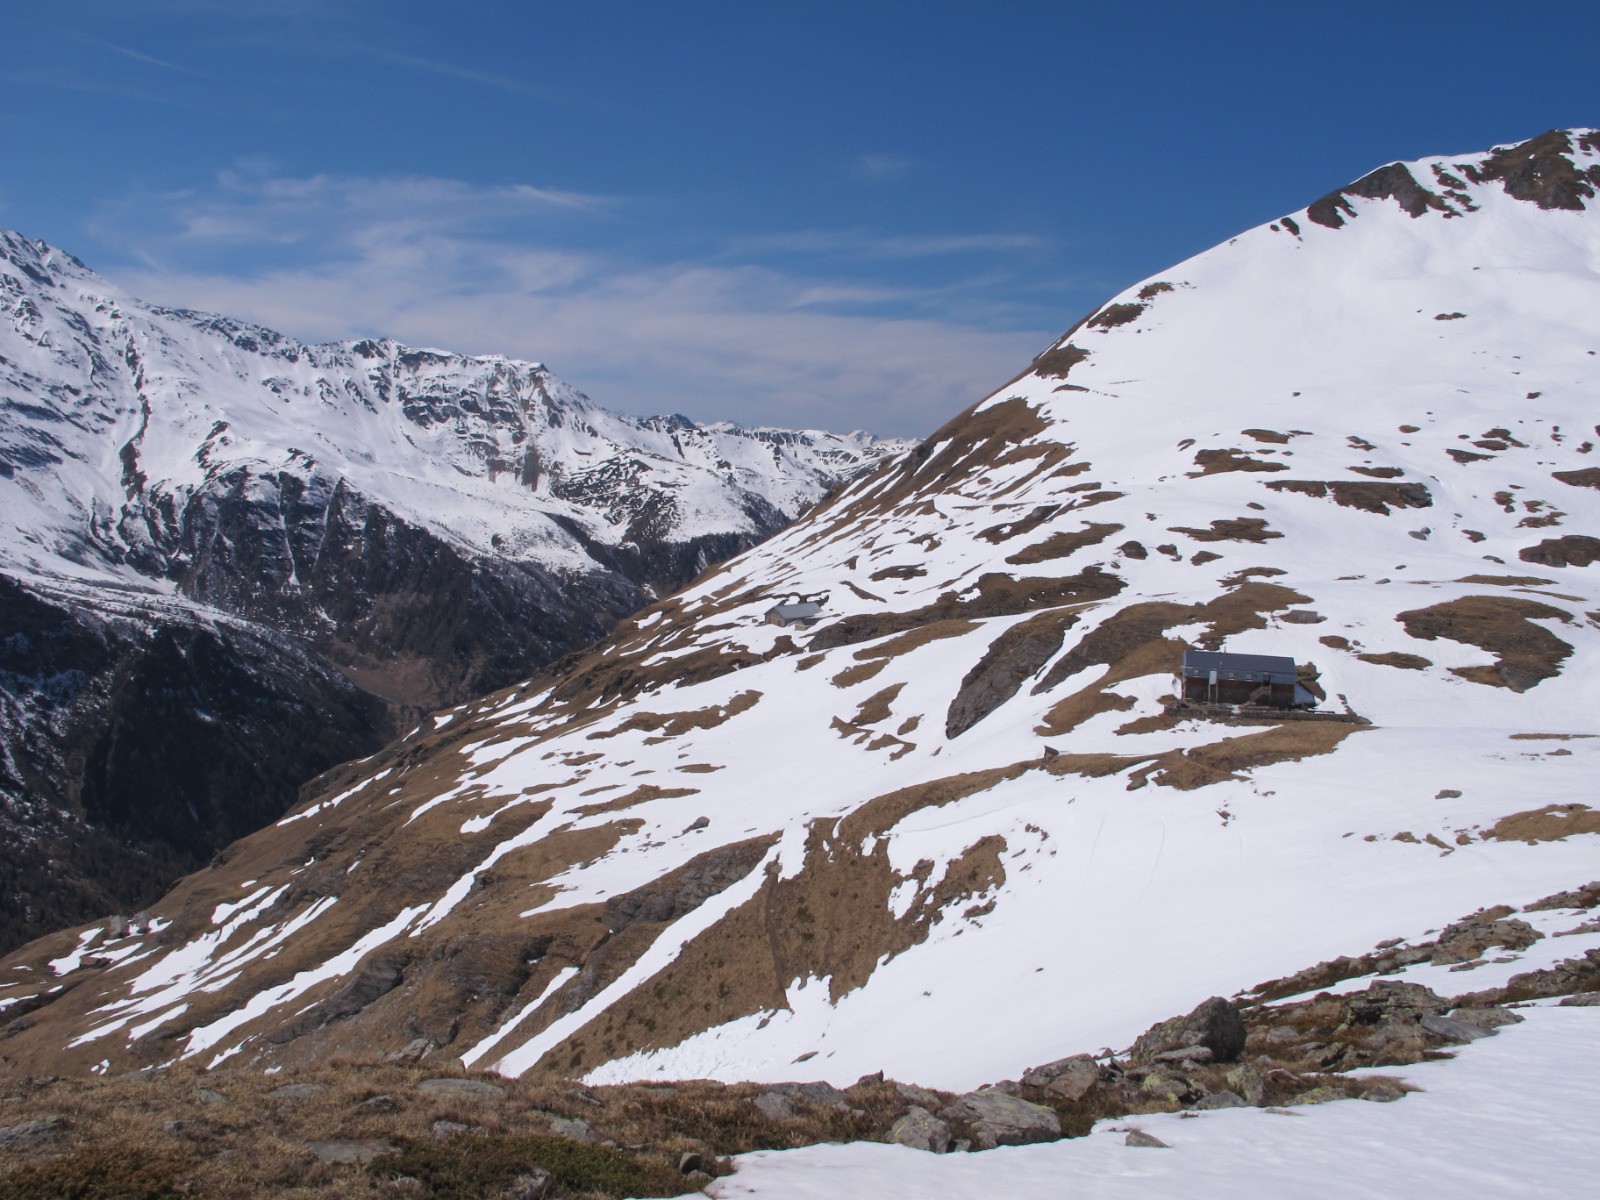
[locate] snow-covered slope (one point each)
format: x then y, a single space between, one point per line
954 827
229 560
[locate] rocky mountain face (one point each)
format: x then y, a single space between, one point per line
958 824
230 560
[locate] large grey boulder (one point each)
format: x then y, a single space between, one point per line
921 1130
1215 1025
774 1107
1068 1078
577 1129
997 1119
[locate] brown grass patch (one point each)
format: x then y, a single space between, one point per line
831 920
1525 653
862 593
1394 658
1378 472
902 572
1551 823
1367 497
1063 544
673 724
1505 580
998 595
1219 761
859 673
640 795
1218 462
876 707
1586 477
1231 529
1006 530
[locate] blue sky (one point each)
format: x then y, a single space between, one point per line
845 215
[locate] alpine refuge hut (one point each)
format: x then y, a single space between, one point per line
1268 680
797 610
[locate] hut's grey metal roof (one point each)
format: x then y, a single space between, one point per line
1198 663
803 611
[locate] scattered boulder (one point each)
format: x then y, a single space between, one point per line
689 1162
413 1051
824 1095
379 1104
1222 1099
1481 1022
1215 1025
921 1130
209 1096
30 1133
997 1119
919 1095
1066 1078
577 1129
1447 1029
350 1150
774 1107
1139 1139
461 1089
1581 1000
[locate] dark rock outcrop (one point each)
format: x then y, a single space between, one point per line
1215 1027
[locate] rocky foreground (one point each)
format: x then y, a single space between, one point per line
409 1126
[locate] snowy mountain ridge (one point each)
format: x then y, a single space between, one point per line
122 415
958 826
230 559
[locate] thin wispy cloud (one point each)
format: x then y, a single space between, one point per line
446 70
129 52
444 263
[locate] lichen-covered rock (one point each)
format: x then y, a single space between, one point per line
997 1119
1215 1024
774 1107
921 1130
1068 1078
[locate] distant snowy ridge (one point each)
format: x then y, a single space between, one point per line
230 559
121 418
956 827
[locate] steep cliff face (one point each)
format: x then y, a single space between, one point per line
963 800
232 560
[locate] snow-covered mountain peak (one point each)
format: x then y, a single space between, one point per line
956 824
122 414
